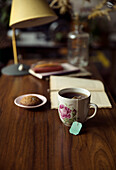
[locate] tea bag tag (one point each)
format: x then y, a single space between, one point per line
75 128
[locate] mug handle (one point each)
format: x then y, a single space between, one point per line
95 107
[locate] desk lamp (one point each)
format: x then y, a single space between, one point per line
24 14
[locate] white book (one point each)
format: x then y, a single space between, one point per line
67 68
96 88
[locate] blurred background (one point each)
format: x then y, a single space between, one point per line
50 40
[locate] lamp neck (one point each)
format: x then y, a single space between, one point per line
14 47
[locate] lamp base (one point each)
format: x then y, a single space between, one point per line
13 70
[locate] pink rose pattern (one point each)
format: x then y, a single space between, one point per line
65 111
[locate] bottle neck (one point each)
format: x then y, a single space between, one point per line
76 28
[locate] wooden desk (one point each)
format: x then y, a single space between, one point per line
35 139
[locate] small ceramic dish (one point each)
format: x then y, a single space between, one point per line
43 98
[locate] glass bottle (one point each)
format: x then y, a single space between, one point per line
78 41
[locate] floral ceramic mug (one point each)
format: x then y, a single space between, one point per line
74 104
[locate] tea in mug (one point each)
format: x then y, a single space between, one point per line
74 95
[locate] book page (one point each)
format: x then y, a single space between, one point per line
60 82
101 99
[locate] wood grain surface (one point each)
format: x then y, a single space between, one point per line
35 139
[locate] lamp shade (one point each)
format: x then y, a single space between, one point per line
30 13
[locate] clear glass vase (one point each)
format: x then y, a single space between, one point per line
78 51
